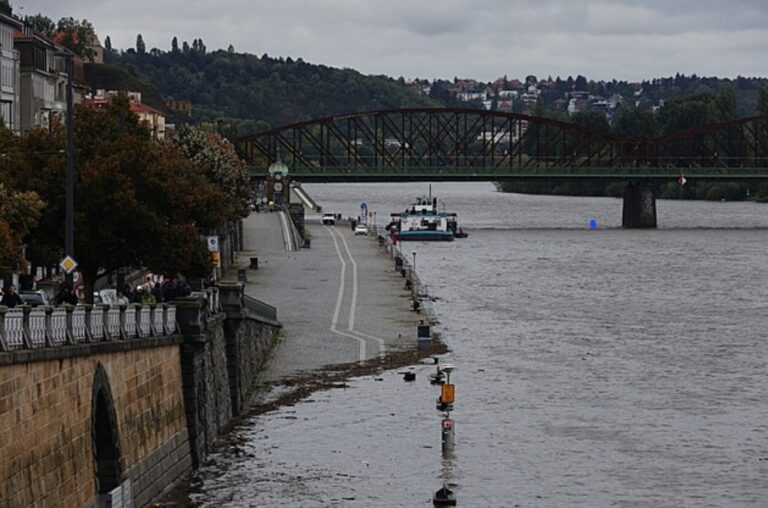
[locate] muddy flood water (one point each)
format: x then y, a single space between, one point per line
594 368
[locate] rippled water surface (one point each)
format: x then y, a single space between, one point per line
595 368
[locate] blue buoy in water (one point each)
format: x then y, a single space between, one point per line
592 223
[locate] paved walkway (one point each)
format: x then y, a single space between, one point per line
339 301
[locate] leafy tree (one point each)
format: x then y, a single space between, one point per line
76 36
141 48
634 122
687 113
42 25
185 47
726 103
592 119
231 49
108 43
762 99
581 84
136 200
217 159
19 213
174 45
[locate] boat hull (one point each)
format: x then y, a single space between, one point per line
425 236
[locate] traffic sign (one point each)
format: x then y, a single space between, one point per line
213 243
68 264
363 206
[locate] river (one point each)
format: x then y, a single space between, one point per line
594 367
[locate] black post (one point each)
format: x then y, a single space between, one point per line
69 214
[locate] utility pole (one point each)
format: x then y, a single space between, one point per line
69 205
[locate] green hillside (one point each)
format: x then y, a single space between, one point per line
248 92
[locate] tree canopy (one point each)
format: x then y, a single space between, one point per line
138 202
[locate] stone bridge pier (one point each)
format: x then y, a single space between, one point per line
639 210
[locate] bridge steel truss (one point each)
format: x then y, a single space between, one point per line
467 144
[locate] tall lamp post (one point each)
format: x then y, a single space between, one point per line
69 204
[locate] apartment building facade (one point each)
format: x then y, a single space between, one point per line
10 114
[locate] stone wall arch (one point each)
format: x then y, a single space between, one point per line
108 460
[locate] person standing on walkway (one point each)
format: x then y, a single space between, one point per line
66 296
122 300
147 298
11 299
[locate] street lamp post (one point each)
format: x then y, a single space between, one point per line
69 206
413 273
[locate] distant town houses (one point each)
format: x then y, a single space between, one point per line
34 74
153 119
521 96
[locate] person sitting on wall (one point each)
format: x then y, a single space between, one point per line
11 299
66 296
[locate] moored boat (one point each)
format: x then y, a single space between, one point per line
423 222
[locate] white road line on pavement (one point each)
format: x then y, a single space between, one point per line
353 308
340 297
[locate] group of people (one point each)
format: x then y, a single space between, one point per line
11 298
151 292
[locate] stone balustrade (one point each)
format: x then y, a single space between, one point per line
27 327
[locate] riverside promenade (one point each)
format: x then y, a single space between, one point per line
340 301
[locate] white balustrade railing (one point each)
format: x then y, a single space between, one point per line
129 322
37 327
170 321
46 326
158 318
14 328
59 326
145 322
79 333
113 322
97 323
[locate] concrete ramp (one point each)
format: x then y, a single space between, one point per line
304 198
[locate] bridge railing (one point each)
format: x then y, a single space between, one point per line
26 327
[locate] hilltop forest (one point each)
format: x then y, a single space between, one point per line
248 93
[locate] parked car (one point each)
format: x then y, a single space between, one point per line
329 219
361 230
35 298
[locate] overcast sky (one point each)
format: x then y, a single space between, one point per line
484 39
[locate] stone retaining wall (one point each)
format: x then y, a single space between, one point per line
81 424
46 412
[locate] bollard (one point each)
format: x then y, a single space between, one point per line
241 276
448 437
398 263
424 337
445 496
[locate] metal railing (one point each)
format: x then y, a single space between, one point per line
25 327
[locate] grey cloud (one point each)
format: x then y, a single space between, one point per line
625 39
